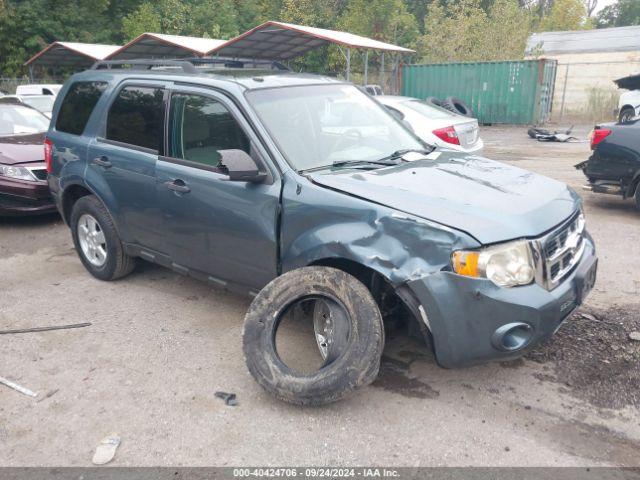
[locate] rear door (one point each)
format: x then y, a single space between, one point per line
67 131
213 225
123 157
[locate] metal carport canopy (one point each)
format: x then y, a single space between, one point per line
71 54
160 45
283 41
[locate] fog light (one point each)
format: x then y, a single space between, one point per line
512 336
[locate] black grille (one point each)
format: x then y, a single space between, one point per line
561 249
40 173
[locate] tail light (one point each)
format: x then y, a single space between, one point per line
447 134
598 135
48 154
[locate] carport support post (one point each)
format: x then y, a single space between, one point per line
564 90
366 67
382 71
348 64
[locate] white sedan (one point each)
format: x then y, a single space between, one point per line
435 125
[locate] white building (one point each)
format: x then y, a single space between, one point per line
588 62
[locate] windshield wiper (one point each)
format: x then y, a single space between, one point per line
382 161
399 153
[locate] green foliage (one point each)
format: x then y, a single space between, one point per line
441 30
464 31
621 14
566 15
144 19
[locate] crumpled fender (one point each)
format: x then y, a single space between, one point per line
319 223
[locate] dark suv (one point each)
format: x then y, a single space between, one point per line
305 192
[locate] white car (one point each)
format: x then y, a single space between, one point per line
36 89
42 103
629 103
435 125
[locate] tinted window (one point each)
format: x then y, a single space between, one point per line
136 117
77 106
200 127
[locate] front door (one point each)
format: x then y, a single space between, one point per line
211 224
122 160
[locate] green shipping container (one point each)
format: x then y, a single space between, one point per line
518 92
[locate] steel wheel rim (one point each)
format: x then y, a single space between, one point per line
92 241
323 327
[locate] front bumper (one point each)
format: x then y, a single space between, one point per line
19 197
463 314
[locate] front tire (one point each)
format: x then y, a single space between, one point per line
96 240
626 115
353 364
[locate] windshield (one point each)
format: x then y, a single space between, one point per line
316 126
15 119
427 110
44 103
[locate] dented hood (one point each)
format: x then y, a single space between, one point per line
15 149
489 200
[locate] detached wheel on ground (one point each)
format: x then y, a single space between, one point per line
97 241
626 115
345 333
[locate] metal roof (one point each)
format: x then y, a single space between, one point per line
71 54
282 41
160 45
619 39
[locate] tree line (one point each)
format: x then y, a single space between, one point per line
439 30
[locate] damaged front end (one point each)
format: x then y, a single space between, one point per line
469 320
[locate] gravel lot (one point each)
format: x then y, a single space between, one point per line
161 345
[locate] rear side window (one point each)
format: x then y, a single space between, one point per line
77 106
136 117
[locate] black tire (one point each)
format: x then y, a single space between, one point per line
118 264
636 197
457 106
626 115
357 365
434 101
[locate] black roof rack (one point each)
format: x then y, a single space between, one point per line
235 62
187 67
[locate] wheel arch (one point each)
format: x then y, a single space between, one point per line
70 195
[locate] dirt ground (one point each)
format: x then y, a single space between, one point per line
160 345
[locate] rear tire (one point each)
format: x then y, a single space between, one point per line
116 263
626 115
357 364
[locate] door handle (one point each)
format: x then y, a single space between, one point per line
102 161
178 186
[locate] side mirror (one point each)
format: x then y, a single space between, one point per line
240 166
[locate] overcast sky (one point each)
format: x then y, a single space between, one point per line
604 3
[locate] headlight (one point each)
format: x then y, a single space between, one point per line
20 173
506 265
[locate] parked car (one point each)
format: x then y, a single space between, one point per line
435 125
629 102
42 103
306 193
38 89
614 165
23 174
